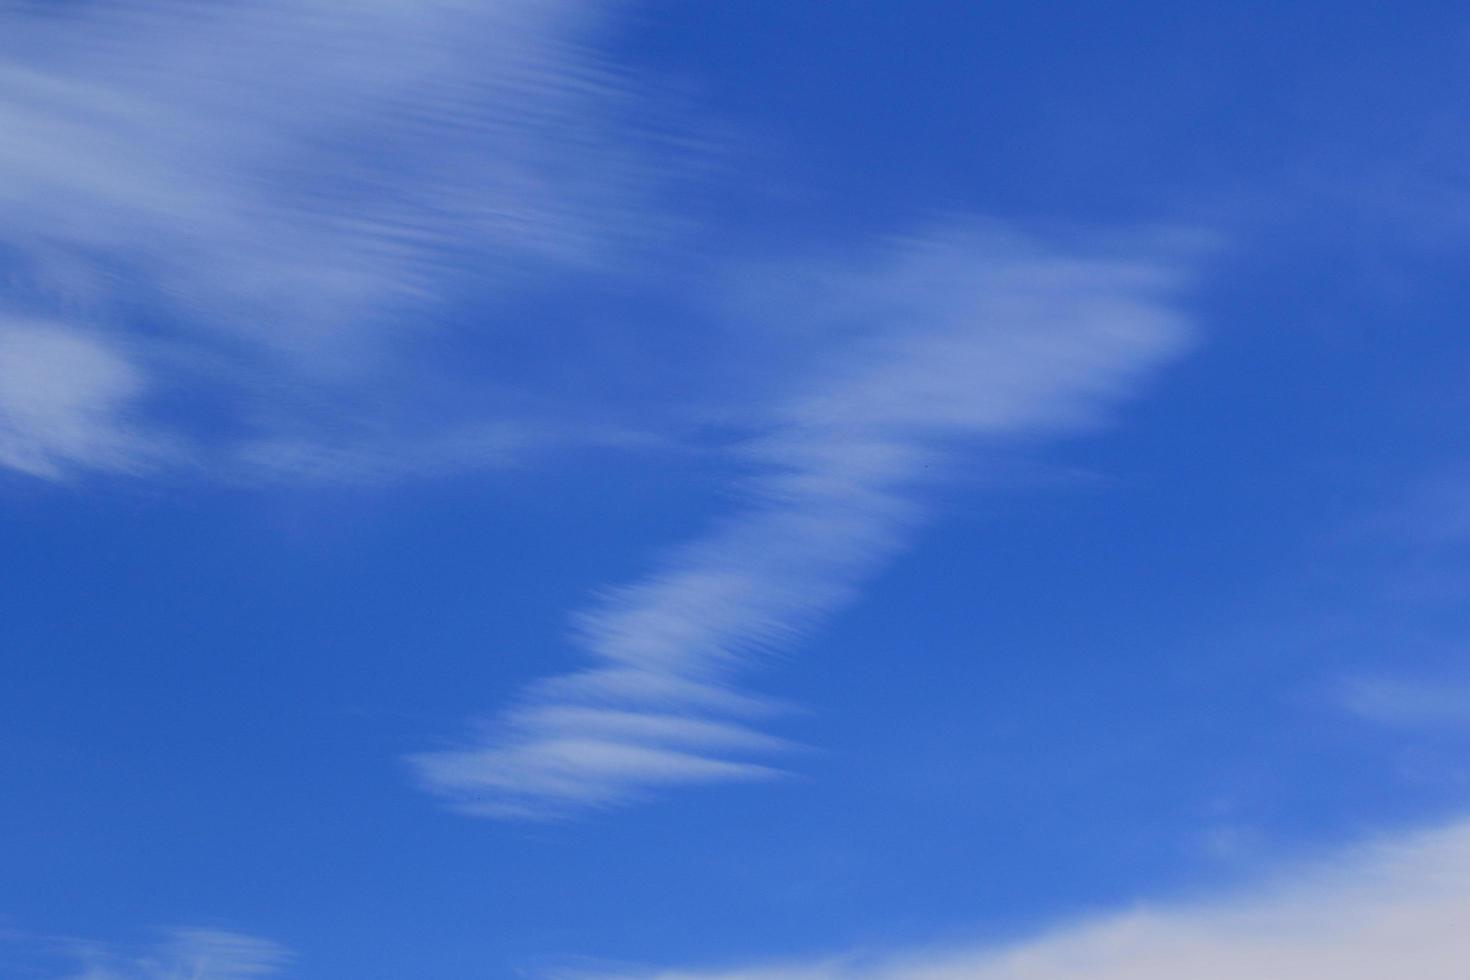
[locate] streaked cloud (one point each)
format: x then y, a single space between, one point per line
949 340
1391 909
270 199
68 397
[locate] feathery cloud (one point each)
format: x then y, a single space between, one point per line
267 198
964 336
67 397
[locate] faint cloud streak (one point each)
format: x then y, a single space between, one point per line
1393 909
182 954
1407 703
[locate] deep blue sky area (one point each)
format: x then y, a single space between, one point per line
1070 112
584 490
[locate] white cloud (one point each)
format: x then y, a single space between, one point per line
271 195
67 399
285 168
959 337
1381 912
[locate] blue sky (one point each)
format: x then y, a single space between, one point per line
598 490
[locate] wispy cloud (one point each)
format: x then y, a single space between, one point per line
1393 909
67 397
1404 702
182 954
946 340
268 197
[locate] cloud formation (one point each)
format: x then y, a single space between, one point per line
960 337
267 197
251 204
66 398
1392 909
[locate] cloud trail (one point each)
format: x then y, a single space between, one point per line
965 336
